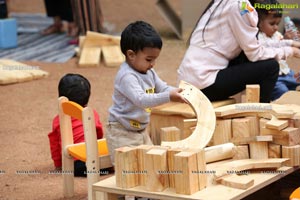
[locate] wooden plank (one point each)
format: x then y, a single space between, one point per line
90 57
247 140
218 191
242 109
290 97
237 181
112 56
247 164
94 39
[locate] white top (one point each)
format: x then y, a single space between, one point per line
276 41
231 29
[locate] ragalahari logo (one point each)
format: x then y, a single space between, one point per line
246 8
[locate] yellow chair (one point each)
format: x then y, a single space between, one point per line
295 195
89 151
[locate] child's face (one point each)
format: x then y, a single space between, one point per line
143 60
269 25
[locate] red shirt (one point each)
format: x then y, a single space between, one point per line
78 136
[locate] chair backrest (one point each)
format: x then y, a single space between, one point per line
68 109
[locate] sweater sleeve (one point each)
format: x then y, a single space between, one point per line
244 28
131 88
55 143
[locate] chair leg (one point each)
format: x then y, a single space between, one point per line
68 176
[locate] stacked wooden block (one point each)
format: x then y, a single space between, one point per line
260 131
156 168
94 44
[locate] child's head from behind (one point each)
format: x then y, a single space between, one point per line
141 45
269 18
76 88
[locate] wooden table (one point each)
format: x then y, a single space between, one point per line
111 192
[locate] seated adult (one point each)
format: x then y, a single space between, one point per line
214 60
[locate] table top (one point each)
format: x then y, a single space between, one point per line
212 191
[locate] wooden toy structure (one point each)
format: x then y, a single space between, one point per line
88 152
237 143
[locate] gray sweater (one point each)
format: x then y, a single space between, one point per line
134 95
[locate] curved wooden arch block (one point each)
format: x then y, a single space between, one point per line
206 119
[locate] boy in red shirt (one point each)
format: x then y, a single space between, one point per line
76 88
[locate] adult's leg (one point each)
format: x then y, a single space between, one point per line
234 79
53 10
279 89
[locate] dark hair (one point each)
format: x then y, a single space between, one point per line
138 35
267 10
76 88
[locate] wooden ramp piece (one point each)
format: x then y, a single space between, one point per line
94 39
112 56
206 119
247 164
90 57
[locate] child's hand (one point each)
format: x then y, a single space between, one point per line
289 35
176 96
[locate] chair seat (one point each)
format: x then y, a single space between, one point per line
296 194
78 150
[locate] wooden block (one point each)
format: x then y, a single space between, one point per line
222 132
90 57
94 39
171 165
141 156
186 182
219 152
274 150
288 137
252 93
258 150
241 127
126 167
201 167
277 124
157 170
293 153
241 152
237 181
112 56
170 134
